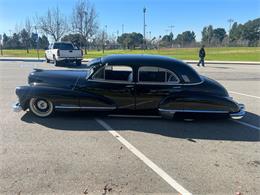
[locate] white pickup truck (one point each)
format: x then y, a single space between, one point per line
63 52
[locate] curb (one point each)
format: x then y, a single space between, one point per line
87 60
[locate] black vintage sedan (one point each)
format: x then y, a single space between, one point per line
127 83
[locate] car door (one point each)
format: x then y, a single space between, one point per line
153 85
110 86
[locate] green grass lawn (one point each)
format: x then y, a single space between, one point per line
223 53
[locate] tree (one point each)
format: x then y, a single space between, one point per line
84 21
218 35
207 35
251 32
5 40
53 24
235 32
167 40
43 42
130 40
25 39
76 39
187 38
28 26
33 40
14 42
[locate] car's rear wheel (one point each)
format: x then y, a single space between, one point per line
41 107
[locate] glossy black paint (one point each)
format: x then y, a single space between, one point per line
76 90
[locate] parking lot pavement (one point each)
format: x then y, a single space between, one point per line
73 153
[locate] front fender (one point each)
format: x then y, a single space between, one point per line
58 96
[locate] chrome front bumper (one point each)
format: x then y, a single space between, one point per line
17 107
240 114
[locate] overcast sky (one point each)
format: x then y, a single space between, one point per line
183 14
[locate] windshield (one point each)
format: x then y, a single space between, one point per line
92 66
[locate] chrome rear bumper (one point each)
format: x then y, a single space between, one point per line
17 107
240 114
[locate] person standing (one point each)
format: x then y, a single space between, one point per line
202 55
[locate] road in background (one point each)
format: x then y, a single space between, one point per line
73 153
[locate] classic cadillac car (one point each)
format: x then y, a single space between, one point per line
125 83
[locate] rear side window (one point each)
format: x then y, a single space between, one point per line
151 74
63 46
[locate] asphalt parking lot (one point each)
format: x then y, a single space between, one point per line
76 153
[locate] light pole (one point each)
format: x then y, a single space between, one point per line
1 48
37 42
230 21
103 40
123 28
159 39
171 27
144 41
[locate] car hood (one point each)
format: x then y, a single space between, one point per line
56 78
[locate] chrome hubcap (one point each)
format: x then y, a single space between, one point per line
42 104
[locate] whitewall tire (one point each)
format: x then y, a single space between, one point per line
41 107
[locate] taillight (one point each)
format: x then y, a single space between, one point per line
58 52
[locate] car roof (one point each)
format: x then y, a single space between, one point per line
137 60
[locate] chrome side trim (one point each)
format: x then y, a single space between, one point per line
192 83
67 107
111 81
98 108
194 111
85 107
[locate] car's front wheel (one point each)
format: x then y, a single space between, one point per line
41 107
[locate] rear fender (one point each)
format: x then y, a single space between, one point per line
199 102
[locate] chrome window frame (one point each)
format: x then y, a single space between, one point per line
110 81
159 83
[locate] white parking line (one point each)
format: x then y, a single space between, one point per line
174 184
247 124
253 96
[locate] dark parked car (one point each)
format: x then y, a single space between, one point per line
127 83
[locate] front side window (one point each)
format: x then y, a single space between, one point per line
150 74
114 73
